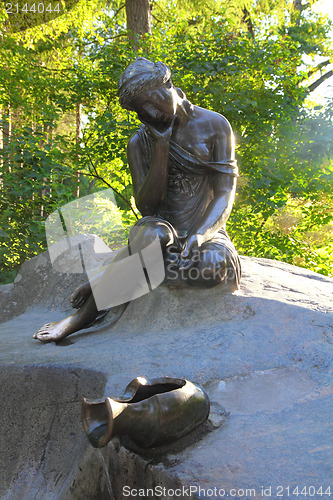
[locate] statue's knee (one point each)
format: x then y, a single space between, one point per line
213 267
149 231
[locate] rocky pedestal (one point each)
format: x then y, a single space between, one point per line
263 354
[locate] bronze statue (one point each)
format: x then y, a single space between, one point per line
183 167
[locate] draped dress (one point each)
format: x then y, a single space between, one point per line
190 189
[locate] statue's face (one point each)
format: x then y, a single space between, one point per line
156 106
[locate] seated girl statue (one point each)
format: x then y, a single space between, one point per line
183 167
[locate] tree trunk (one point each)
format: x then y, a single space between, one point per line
6 130
138 14
77 140
47 190
2 151
298 8
248 21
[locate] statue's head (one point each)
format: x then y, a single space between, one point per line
146 87
140 76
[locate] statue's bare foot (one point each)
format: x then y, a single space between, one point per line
54 331
80 295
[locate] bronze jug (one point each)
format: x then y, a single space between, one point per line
151 413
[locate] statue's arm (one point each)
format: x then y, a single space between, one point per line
224 186
149 187
219 209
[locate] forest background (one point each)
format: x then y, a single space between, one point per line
63 134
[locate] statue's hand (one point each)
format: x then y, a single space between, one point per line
190 246
161 136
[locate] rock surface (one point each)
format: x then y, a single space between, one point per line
263 354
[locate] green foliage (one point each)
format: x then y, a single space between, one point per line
258 80
35 179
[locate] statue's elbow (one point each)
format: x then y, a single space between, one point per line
143 207
139 204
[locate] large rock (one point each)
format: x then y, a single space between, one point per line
39 283
263 354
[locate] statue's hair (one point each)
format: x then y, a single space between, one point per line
139 76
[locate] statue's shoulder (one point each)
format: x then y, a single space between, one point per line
217 120
134 144
133 148
139 137
139 148
134 141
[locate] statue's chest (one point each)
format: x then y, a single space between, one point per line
198 144
199 149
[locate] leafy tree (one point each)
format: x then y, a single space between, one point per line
253 61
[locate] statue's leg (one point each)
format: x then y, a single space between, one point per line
61 329
147 229
209 268
83 292
142 234
212 267
215 265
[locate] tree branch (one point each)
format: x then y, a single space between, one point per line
105 40
320 80
97 176
316 69
118 10
51 69
247 20
156 19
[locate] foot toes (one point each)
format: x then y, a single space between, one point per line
44 338
75 300
44 335
73 297
78 303
40 333
43 332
